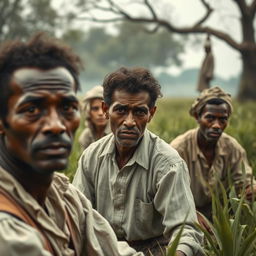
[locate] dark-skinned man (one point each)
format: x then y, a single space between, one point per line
211 154
132 177
40 212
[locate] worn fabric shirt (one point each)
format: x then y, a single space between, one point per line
230 157
87 137
148 197
94 235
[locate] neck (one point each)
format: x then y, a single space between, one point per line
99 131
33 182
207 148
123 155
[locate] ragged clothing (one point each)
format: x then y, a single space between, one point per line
230 158
94 236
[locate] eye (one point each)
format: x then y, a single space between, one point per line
140 112
31 110
121 110
69 108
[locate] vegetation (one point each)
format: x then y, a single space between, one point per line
172 118
154 14
234 221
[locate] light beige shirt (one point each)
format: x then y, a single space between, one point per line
229 157
94 235
149 196
87 137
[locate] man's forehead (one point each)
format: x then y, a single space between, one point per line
223 108
31 77
126 98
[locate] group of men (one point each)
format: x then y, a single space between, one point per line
132 191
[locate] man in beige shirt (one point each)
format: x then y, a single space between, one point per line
41 213
132 177
211 154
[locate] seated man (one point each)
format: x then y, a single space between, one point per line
132 177
211 154
96 124
40 212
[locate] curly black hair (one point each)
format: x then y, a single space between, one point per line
40 51
132 80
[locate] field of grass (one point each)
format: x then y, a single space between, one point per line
172 118
234 219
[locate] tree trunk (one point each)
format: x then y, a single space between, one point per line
247 86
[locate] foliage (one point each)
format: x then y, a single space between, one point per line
20 18
103 51
172 118
234 221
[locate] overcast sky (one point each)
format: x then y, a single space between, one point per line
227 60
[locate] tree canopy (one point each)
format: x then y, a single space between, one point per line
116 10
129 46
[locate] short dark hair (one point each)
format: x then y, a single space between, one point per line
214 101
40 51
132 80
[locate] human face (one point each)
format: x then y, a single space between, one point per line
97 116
42 118
213 121
129 115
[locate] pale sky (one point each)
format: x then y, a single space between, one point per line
227 60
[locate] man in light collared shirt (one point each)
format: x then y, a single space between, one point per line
132 177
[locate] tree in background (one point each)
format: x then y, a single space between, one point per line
116 10
20 18
129 46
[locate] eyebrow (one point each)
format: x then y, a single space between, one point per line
39 99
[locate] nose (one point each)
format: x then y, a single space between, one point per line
129 120
100 112
216 125
53 123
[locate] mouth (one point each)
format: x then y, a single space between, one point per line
128 135
55 150
214 134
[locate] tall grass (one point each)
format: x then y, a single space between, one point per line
172 118
234 220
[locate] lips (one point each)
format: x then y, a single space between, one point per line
54 150
214 134
128 134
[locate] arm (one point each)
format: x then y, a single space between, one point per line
15 234
174 201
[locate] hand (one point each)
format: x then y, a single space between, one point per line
250 191
203 222
180 253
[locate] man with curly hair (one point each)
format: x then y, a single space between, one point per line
132 177
40 212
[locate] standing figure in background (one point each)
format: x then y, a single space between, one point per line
206 72
96 124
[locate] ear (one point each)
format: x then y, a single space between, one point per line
1 127
105 109
152 112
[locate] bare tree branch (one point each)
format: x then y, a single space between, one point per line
209 10
242 7
151 9
253 8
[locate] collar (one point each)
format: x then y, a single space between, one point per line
140 155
